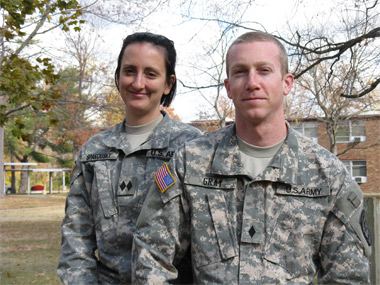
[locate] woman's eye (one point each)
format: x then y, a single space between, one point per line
128 71
152 75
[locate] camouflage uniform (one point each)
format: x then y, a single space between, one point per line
302 215
108 187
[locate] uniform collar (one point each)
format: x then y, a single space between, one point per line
227 159
159 138
283 167
285 162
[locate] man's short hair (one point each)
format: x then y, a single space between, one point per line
251 37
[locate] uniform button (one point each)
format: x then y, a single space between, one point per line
252 231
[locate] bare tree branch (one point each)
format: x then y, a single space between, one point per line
353 146
365 91
199 87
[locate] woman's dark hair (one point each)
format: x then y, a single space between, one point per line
170 59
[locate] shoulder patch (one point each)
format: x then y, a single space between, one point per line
72 170
75 172
164 178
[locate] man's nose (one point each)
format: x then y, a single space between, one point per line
253 80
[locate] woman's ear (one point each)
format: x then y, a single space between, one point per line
169 84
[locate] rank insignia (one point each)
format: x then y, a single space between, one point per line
164 178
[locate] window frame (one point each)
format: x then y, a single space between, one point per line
300 127
351 138
350 168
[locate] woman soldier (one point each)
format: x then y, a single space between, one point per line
114 169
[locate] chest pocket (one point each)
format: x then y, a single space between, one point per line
296 232
213 236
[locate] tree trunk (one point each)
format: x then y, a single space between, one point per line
2 188
24 181
334 149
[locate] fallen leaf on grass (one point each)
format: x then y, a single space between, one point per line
9 274
40 274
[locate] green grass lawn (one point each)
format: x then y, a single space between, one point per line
30 240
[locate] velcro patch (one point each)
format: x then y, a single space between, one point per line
101 156
365 228
304 191
165 154
164 178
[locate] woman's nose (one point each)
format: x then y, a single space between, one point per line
138 81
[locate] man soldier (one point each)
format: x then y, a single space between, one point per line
257 202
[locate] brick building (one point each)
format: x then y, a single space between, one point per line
358 140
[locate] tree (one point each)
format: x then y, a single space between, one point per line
319 95
333 46
131 13
74 122
171 113
23 22
214 92
209 70
20 73
356 25
115 111
336 85
33 128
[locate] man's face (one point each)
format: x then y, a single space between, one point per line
255 82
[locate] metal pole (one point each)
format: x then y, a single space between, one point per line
50 183
63 181
28 180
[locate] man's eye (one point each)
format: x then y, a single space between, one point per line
238 71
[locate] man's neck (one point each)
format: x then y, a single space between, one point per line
262 134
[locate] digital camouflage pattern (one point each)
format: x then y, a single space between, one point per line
108 187
299 217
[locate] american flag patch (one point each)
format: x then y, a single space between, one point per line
164 178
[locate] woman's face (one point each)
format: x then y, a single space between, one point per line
142 82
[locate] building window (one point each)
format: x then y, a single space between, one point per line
309 129
351 131
357 169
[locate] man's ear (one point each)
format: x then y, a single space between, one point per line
287 83
227 85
